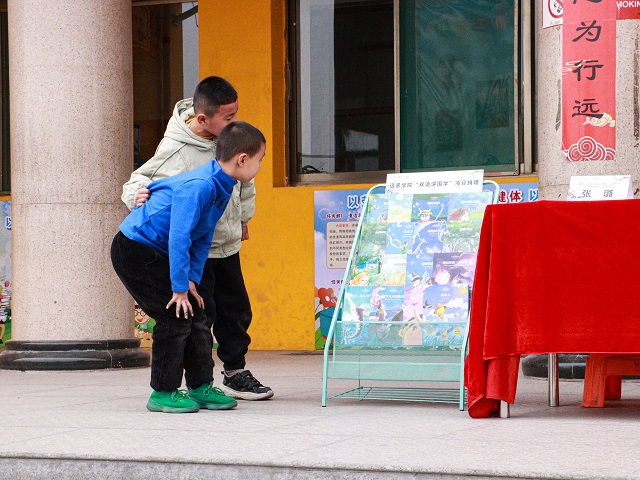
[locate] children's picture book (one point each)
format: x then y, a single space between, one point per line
386 316
453 268
357 304
412 334
412 271
428 237
378 209
394 270
356 333
466 211
373 240
399 237
400 207
386 304
413 307
419 268
355 314
465 206
429 208
443 336
446 303
366 271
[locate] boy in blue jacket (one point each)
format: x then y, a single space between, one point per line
159 255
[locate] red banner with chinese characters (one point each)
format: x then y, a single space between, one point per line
589 80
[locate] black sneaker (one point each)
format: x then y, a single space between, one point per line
245 386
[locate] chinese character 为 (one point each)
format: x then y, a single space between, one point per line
591 36
579 66
586 108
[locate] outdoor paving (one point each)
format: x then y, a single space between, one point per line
94 424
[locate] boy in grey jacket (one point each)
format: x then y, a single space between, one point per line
190 142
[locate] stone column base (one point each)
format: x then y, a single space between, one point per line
74 355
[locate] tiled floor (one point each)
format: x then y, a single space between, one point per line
93 418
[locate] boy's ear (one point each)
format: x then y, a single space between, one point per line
242 157
201 118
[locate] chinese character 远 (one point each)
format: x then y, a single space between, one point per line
586 108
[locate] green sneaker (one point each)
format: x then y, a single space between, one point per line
176 401
212 397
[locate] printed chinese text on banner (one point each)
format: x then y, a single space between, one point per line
589 80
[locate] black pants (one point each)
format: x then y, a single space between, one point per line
179 344
228 309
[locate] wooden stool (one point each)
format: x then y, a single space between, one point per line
603 376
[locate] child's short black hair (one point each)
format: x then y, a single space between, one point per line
238 137
211 93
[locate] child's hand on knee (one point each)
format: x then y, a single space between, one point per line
181 299
194 293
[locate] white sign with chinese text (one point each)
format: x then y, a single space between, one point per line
453 181
602 187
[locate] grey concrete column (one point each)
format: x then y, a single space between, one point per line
554 171
71 151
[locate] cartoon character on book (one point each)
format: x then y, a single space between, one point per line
361 279
379 314
399 245
412 332
397 279
441 275
439 310
352 332
444 336
378 311
464 268
460 272
427 215
430 335
459 215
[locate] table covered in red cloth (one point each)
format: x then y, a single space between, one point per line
551 277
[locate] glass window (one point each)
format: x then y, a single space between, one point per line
342 109
458 104
165 68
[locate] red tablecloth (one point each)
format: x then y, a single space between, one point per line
551 277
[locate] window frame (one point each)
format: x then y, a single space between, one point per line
293 113
524 103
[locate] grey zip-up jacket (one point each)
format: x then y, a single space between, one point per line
181 151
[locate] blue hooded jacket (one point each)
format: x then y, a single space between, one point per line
179 219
